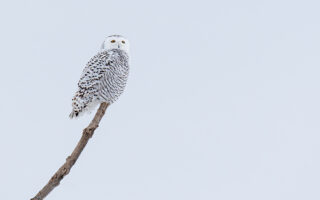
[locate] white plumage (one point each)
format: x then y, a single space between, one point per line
104 77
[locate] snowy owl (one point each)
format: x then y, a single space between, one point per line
104 77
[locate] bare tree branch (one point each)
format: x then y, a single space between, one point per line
66 167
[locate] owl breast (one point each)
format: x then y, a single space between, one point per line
115 77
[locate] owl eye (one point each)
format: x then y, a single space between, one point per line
112 41
123 42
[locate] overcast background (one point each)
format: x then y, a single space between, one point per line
222 100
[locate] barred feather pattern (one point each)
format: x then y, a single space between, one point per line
103 80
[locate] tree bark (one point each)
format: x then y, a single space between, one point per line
66 167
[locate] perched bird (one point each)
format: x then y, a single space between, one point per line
104 77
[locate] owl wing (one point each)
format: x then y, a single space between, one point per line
89 83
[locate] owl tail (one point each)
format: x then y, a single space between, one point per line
74 114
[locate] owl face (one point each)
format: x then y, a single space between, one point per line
115 42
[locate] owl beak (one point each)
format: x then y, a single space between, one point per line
119 46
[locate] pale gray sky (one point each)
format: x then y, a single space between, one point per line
222 100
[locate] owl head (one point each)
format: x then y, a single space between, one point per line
115 42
